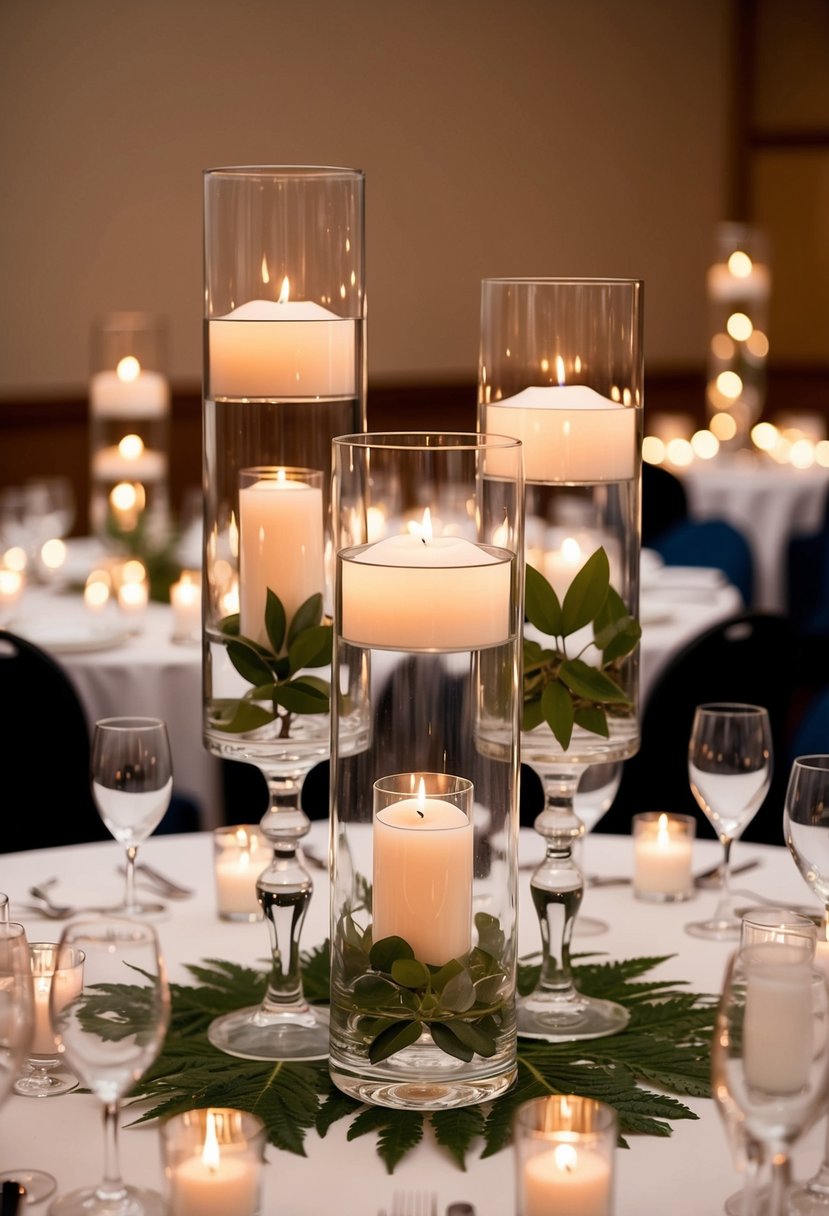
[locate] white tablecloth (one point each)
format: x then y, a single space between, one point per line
688 1174
768 503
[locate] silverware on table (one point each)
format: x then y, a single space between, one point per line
705 878
165 885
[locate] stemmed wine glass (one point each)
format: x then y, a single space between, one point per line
769 1058
110 1033
132 783
806 832
729 767
45 1075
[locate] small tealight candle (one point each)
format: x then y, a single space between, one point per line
662 852
12 583
132 600
240 855
213 1162
565 1150
185 599
57 977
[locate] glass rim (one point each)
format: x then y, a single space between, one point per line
603 1118
731 707
130 722
300 172
817 761
564 280
410 441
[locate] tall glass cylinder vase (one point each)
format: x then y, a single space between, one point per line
284 372
425 727
561 369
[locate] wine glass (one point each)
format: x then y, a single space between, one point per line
729 767
62 971
596 791
132 783
111 1032
769 1058
805 822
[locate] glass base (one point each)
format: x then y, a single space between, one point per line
253 1034
46 1085
715 930
808 1199
37 1184
562 1019
87 1202
424 1093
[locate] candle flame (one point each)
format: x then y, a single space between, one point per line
740 264
566 1157
128 369
421 799
560 370
266 277
571 550
281 475
285 291
210 1153
662 833
131 447
426 530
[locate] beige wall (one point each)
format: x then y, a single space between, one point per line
498 137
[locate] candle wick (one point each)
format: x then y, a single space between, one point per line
423 540
420 813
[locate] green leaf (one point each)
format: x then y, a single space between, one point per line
410 973
541 603
586 594
311 648
299 697
385 953
457 1130
394 1039
478 1040
593 719
306 616
533 714
444 1037
274 620
229 625
248 662
245 717
589 682
557 707
459 993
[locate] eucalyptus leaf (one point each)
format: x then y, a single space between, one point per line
387 950
586 594
442 975
445 1038
475 1037
589 682
459 994
394 1039
372 990
410 973
306 616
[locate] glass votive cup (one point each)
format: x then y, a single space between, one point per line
564 1156
777 926
663 848
240 854
57 979
185 603
212 1160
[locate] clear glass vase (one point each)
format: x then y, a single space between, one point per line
561 369
425 767
284 373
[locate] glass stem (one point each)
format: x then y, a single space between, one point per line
780 1182
557 885
724 910
111 1187
284 891
129 889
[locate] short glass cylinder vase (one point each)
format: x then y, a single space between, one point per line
424 772
129 429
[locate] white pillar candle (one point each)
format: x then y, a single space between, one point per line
422 891
61 986
410 592
568 1179
570 433
779 1025
129 460
285 348
219 1181
185 600
129 391
747 281
133 599
241 855
280 547
662 851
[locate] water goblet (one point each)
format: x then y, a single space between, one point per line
805 823
729 767
769 1058
57 977
132 783
111 1032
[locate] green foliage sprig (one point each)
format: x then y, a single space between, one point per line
272 674
562 689
397 997
662 1055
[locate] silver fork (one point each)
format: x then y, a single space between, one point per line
414 1203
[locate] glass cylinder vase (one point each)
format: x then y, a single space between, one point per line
425 724
129 427
283 365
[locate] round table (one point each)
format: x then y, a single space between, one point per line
689 1173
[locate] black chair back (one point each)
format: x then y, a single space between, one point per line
745 658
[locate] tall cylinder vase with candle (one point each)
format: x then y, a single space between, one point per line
129 421
283 374
561 369
425 728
